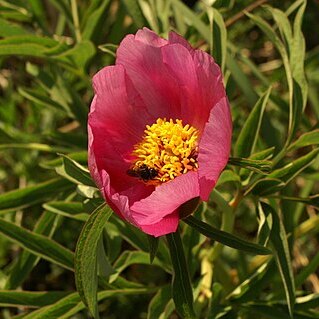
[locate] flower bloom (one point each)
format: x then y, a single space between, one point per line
159 129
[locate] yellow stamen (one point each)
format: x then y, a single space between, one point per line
167 150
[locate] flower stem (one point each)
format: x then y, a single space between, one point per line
76 21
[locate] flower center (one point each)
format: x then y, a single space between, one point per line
167 150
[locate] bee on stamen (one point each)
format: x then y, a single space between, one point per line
143 172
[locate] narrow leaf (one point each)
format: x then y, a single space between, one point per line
160 302
259 166
134 10
11 298
280 246
86 257
247 138
68 209
153 244
31 195
38 244
288 172
181 284
74 172
306 139
225 238
129 258
70 305
26 261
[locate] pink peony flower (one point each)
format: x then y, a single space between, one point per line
159 129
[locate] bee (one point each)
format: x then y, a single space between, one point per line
143 172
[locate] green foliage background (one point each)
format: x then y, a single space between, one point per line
268 194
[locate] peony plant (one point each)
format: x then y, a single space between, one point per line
159 129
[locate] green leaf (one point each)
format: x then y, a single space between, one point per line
160 304
79 157
38 244
307 302
134 10
31 195
63 9
40 99
94 20
264 155
307 270
283 24
228 176
247 138
259 166
129 258
26 261
280 177
29 298
35 146
86 257
288 172
74 172
225 238
312 200
8 29
153 244
306 139
109 48
192 19
215 306
297 56
72 210
265 226
241 79
280 246
265 186
293 62
181 283
28 45
219 37
38 12
80 54
149 12
247 290
104 267
266 310
70 305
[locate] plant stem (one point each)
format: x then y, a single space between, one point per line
76 22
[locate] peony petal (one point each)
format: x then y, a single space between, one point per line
117 105
157 87
199 79
214 147
174 38
92 161
166 199
165 226
209 78
116 111
211 88
180 63
148 36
